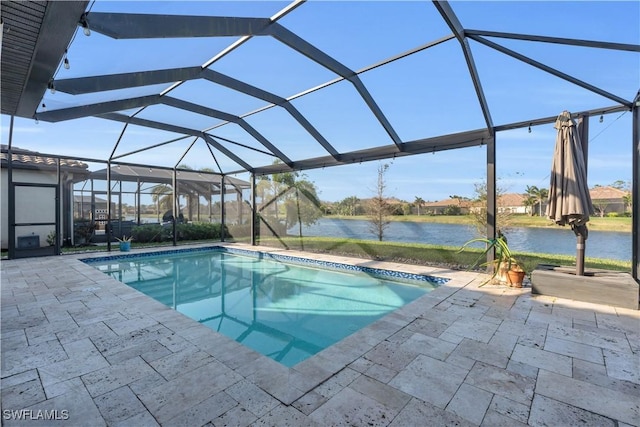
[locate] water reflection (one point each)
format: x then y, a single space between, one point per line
554 240
285 312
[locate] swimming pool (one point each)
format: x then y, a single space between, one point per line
287 308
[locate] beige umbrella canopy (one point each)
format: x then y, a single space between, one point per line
569 200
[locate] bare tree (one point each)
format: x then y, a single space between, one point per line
600 206
479 212
378 209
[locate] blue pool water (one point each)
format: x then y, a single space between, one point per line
270 303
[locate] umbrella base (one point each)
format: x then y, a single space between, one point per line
597 286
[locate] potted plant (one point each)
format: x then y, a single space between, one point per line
125 243
51 238
506 268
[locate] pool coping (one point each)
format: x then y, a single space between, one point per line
306 261
289 384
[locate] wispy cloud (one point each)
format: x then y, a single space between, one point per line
21 129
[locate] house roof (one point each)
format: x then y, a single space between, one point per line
505 200
448 202
602 193
87 199
27 159
511 199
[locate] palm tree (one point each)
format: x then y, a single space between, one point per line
161 196
542 196
419 202
530 202
537 196
305 209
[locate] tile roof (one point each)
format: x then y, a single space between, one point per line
511 199
602 193
35 159
448 202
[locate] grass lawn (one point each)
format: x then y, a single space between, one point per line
415 253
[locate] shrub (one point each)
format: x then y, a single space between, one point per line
195 231
150 233
83 230
199 231
452 210
51 238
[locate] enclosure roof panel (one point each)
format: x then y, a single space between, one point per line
314 84
164 175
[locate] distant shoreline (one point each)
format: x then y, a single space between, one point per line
619 224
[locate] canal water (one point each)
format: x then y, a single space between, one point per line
552 240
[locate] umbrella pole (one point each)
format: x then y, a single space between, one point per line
580 255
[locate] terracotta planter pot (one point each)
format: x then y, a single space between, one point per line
515 278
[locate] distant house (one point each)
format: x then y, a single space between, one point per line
608 199
35 178
83 209
445 206
513 203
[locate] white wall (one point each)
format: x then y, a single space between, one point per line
33 204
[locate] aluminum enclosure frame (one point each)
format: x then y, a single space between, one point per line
67 15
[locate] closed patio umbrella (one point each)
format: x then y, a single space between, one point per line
569 200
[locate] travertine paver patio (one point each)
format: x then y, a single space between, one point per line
100 353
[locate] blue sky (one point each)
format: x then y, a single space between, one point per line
424 95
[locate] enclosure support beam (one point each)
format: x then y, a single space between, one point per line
12 195
254 211
557 40
58 217
635 190
67 210
174 198
139 189
583 131
223 219
197 207
92 205
107 228
120 208
247 89
491 196
305 48
550 70
454 24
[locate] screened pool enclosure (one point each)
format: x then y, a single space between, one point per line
203 112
